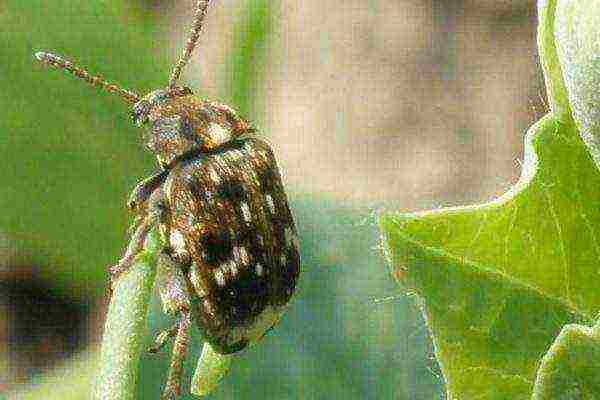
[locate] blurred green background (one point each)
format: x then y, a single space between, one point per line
370 105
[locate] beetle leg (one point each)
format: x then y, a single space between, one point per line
173 386
172 284
174 291
155 214
138 199
162 338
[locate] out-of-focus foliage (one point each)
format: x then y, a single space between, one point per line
71 156
568 369
334 341
500 280
578 49
70 153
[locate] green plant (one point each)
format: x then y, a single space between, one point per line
509 287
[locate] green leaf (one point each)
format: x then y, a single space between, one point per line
501 279
578 48
570 368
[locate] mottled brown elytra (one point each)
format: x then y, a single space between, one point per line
230 261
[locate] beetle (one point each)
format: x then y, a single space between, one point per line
230 260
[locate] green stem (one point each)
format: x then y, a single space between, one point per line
553 74
125 326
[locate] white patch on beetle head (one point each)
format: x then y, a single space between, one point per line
219 134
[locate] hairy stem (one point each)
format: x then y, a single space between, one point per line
125 326
553 75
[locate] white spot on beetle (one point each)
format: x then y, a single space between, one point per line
177 241
233 268
238 153
208 307
214 177
259 269
190 220
240 255
270 203
283 260
248 149
243 254
219 277
168 185
246 212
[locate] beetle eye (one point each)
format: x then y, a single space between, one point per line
139 112
139 118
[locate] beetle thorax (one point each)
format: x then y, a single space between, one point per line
178 124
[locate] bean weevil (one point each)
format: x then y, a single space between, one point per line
230 262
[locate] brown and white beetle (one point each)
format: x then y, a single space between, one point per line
230 262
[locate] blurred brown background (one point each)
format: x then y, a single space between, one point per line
406 104
414 102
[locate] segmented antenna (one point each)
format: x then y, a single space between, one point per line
60 63
199 14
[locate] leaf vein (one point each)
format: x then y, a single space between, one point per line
507 237
561 243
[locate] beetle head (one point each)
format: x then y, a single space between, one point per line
178 123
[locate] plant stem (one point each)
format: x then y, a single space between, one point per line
553 75
125 326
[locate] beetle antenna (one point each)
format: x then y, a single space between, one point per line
199 14
60 63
